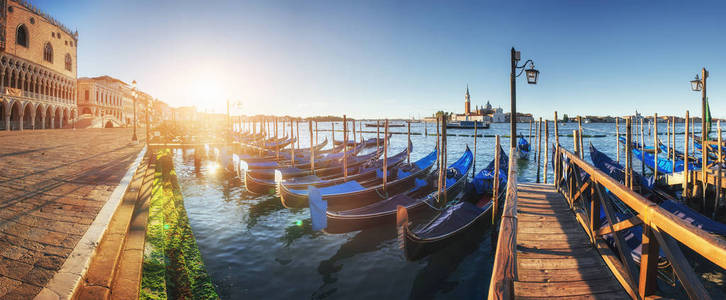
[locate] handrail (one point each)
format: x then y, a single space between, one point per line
504 273
658 225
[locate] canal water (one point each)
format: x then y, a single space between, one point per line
254 248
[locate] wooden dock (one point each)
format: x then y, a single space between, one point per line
555 257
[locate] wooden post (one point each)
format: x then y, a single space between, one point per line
530 130
668 134
648 262
495 185
345 148
547 151
474 162
292 145
297 130
720 161
642 148
539 147
686 155
426 129
617 138
704 162
579 136
629 152
556 167
385 158
408 149
332 132
673 133
439 150
693 136
445 149
655 147
316 132
312 149
353 123
575 142
378 134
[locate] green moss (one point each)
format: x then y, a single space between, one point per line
175 264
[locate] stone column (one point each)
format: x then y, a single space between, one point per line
42 118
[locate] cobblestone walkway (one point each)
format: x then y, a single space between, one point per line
52 185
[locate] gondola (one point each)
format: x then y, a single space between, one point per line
523 148
265 181
469 212
420 196
616 171
370 141
266 170
362 172
353 194
665 165
270 155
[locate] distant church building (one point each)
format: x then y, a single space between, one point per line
483 114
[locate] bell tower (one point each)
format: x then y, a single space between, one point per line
467 101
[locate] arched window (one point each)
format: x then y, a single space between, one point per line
21 36
48 52
69 62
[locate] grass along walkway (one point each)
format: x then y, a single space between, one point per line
173 266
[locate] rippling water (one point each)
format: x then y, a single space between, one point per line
254 248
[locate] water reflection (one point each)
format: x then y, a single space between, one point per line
264 207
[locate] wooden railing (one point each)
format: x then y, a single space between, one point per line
501 285
661 229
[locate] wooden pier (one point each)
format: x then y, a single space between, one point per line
554 255
552 242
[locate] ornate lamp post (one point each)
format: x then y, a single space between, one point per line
133 94
699 85
532 75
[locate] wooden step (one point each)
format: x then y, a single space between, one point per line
101 271
567 288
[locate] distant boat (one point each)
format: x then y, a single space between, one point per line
384 125
467 125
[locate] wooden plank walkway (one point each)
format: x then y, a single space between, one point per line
554 255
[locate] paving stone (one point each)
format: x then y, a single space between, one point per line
53 184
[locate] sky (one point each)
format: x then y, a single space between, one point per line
400 59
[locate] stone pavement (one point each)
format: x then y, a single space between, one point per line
52 185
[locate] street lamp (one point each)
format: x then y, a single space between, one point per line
700 85
133 94
532 75
696 84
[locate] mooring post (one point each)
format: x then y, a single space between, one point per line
332 132
579 136
408 141
473 170
530 128
312 149
352 123
539 147
297 130
686 156
547 151
556 167
629 152
673 133
575 142
444 156
426 128
642 148
292 145
617 139
718 184
345 148
655 147
495 185
668 148
378 134
385 157
439 150
316 133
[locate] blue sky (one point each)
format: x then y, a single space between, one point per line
405 58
